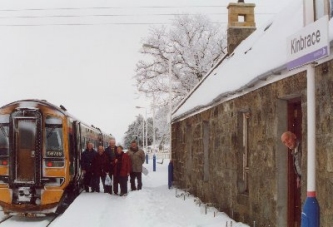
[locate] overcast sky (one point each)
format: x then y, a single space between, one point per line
82 54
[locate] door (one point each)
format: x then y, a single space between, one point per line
24 140
294 193
77 147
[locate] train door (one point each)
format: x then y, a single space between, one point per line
25 131
77 139
26 143
294 193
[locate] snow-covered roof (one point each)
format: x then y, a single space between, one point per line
264 52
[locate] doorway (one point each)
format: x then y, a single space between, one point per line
294 113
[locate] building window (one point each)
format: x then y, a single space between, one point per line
319 9
205 141
246 151
323 7
188 141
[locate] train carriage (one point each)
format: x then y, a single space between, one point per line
40 151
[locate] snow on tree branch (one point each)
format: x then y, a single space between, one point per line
192 43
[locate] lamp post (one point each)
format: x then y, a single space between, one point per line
170 101
153 106
143 127
170 166
146 45
154 135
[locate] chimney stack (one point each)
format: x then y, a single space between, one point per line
241 23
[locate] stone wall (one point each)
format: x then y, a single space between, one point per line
262 198
324 142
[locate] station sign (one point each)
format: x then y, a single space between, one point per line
309 44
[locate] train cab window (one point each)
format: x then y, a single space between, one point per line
53 137
4 135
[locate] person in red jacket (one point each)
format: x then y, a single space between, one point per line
100 168
122 169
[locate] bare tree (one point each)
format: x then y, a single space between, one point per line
193 45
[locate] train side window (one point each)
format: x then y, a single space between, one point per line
84 144
4 135
54 137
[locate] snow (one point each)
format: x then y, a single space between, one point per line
267 45
155 205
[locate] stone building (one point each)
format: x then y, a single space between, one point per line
226 146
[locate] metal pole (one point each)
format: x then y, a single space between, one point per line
146 130
153 106
154 156
170 104
154 162
310 212
143 133
143 128
170 166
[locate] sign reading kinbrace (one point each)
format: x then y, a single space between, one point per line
309 44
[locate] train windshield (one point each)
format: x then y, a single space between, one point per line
54 137
4 135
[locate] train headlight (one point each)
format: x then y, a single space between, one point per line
49 164
37 201
4 161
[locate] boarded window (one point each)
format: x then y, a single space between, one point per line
206 149
246 151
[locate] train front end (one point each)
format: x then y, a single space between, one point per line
33 168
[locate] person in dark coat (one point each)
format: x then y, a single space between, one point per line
111 151
100 168
86 160
122 169
137 157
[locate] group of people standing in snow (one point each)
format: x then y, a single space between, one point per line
112 164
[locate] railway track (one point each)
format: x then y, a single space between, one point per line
5 218
16 220
53 218
13 221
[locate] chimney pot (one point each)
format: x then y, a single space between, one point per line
241 23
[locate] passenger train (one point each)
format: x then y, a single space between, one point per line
40 152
